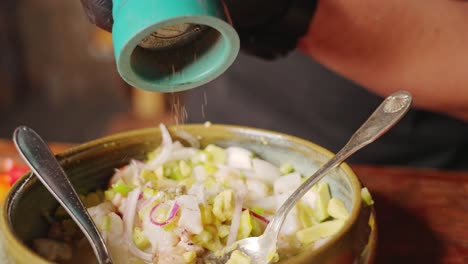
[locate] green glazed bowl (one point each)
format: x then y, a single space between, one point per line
90 166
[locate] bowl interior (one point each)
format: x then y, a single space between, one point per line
90 165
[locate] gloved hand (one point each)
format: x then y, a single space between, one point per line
267 28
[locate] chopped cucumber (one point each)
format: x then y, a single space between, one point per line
314 233
238 257
306 215
140 239
245 226
286 168
366 196
321 202
223 231
121 187
337 209
219 155
189 256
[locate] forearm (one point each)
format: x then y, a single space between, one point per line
420 46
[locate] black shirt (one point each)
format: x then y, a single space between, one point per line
295 95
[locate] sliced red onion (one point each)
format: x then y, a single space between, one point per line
259 217
172 214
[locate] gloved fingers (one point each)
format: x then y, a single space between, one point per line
99 13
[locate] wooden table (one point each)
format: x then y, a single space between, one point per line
422 215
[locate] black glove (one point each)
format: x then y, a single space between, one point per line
270 28
99 13
267 28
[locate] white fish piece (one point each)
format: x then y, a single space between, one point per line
291 223
287 184
116 228
190 216
256 189
199 173
239 158
265 171
266 203
199 191
158 237
309 199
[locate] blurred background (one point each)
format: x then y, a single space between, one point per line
57 75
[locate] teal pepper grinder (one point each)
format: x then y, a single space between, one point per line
172 45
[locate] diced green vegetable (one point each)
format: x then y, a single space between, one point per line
321 205
210 169
223 207
305 214
121 187
159 171
223 230
140 239
218 154
170 226
258 210
203 238
208 239
286 168
366 196
322 230
176 170
189 257
256 227
245 225
109 194
206 214
148 175
238 257
185 168
148 193
337 209
201 157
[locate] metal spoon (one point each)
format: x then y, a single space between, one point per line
43 163
261 249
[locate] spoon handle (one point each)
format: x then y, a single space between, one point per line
390 111
43 163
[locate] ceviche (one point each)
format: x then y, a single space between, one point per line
185 201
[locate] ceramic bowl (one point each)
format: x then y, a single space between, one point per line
90 166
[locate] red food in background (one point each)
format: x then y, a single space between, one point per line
9 174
